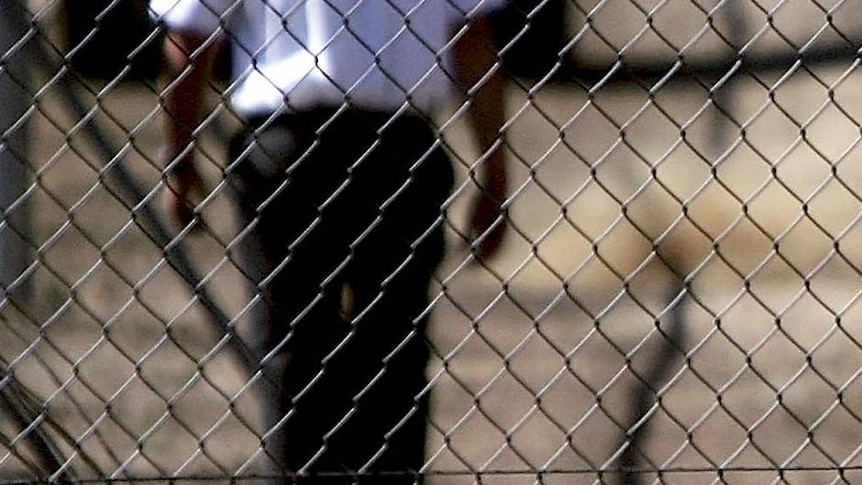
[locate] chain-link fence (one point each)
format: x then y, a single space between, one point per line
676 300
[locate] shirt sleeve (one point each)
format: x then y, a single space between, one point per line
195 16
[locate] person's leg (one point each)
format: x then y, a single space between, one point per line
289 253
396 203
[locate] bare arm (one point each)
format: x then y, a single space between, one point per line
476 55
188 73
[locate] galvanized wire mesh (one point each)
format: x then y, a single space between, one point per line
677 301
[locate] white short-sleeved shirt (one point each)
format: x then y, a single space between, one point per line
290 55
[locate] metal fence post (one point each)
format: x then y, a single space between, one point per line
15 253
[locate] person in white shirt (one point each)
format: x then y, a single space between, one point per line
341 179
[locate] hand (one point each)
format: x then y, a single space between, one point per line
185 192
487 231
487 237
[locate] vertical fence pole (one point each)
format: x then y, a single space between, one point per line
15 253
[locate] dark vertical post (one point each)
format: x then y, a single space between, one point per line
15 253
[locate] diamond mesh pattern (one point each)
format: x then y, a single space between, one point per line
677 301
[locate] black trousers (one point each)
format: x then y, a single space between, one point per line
344 233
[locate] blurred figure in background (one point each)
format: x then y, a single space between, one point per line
340 177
